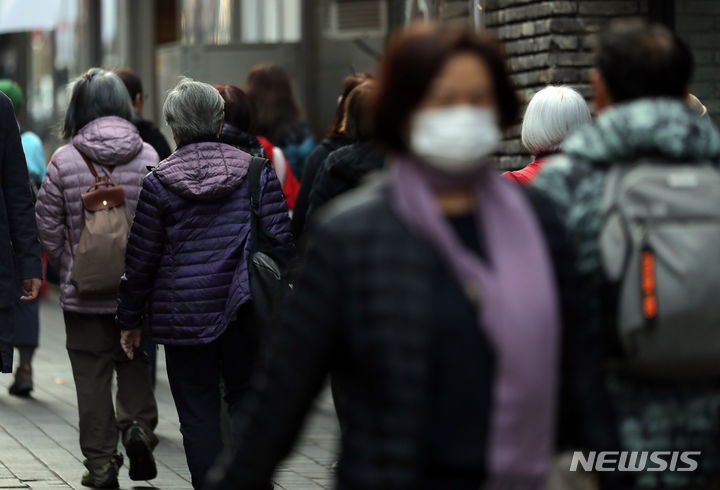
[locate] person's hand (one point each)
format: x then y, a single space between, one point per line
130 340
30 289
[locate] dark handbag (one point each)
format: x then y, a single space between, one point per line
268 279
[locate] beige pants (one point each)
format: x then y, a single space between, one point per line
93 344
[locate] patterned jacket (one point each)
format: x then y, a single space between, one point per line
652 417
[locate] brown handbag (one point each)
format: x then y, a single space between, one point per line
99 258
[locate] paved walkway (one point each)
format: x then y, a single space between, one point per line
39 437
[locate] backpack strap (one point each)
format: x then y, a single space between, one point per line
257 165
91 167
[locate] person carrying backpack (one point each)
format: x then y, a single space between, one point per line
84 210
639 191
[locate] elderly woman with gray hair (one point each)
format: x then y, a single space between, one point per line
552 114
103 142
187 267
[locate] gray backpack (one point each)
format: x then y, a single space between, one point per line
660 242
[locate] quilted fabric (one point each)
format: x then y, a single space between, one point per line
113 143
186 262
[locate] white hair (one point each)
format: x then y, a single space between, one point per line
194 110
552 114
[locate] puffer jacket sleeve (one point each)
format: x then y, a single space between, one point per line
275 218
142 257
290 377
51 215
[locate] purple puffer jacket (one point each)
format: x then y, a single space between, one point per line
109 141
187 257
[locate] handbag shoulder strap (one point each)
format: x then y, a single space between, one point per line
257 165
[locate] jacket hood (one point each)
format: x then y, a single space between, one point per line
242 140
109 141
654 127
208 170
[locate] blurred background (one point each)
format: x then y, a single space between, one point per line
44 44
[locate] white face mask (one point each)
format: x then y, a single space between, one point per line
455 139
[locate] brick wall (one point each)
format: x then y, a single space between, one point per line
549 43
698 22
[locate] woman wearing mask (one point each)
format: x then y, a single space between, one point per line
409 296
103 139
552 114
186 267
279 115
334 140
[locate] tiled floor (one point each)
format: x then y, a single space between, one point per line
39 436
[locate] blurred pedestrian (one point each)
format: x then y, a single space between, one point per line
334 140
409 295
20 256
27 313
104 147
148 131
279 117
552 114
238 131
345 168
638 190
187 267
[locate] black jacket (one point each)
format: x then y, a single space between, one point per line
151 135
362 310
19 245
344 170
242 140
314 163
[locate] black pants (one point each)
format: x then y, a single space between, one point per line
194 373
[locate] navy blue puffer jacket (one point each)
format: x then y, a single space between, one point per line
187 256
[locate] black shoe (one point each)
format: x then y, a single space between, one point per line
103 476
23 384
139 452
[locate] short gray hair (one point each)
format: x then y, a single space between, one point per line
194 110
553 113
97 93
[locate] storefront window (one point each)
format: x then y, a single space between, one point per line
240 21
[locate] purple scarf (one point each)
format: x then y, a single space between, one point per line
518 311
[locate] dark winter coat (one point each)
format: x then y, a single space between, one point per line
314 163
363 311
187 257
151 135
344 170
19 246
653 416
242 140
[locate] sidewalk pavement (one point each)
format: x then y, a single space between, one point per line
39 446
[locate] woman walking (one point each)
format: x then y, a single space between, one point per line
408 297
104 145
187 267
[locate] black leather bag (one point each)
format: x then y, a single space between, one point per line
268 278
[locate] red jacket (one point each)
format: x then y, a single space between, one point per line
290 184
525 175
